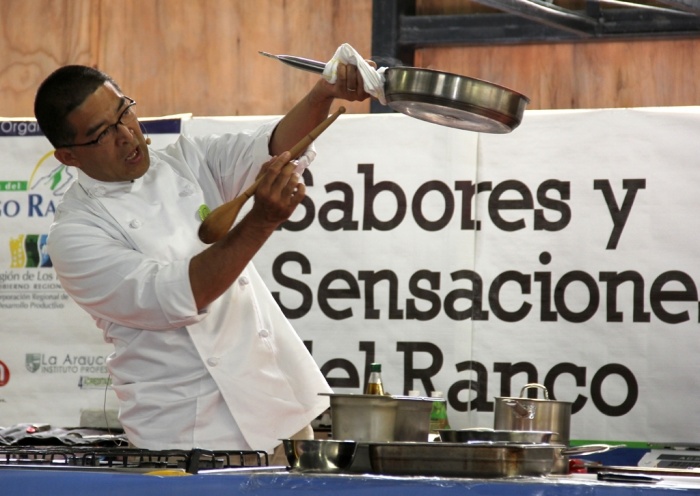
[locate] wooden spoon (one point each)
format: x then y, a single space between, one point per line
219 221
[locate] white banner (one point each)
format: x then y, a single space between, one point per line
595 258
561 253
52 356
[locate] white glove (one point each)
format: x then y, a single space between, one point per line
372 78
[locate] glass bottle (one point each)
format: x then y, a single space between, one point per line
374 385
438 415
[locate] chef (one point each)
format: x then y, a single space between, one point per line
203 356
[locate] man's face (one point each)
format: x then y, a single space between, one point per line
122 155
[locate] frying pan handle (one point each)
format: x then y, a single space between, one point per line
589 449
299 62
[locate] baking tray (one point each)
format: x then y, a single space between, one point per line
461 459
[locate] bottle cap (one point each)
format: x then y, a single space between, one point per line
436 394
375 367
413 393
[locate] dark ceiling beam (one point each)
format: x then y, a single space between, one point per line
692 6
500 29
386 27
476 29
548 14
641 6
387 50
647 23
593 9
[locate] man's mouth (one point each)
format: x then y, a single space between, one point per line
133 155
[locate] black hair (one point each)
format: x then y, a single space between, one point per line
62 92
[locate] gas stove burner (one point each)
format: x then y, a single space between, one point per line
129 459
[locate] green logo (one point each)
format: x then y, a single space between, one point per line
32 361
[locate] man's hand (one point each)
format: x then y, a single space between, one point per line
349 85
279 193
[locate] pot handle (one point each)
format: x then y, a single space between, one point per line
589 449
520 410
534 385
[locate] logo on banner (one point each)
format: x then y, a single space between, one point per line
4 373
88 382
37 198
69 364
29 250
32 362
49 177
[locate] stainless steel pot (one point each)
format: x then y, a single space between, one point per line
527 414
371 417
472 460
441 97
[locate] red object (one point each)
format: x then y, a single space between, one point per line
4 374
577 466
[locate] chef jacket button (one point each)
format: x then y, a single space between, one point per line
135 224
99 191
243 280
213 361
188 190
263 333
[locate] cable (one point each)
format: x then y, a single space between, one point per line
104 404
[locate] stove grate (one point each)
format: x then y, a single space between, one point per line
191 461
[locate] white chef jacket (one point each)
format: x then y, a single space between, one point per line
234 376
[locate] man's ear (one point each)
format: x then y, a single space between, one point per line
66 156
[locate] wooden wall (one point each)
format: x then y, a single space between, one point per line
201 56
639 73
174 56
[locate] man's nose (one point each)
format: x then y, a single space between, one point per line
124 132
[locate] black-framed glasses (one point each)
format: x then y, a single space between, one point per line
128 116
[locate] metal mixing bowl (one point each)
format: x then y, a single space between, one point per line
319 455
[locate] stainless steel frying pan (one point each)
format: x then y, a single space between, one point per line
441 97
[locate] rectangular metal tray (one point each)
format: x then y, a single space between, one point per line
461 459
